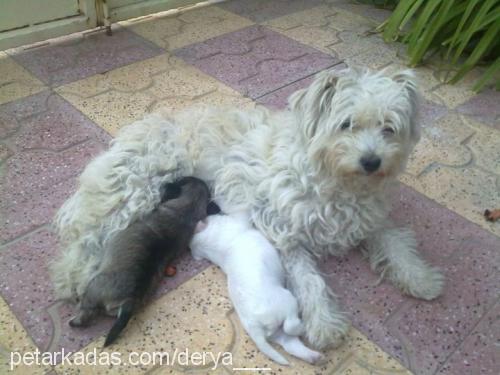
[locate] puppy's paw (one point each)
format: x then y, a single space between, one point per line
316 358
76 322
426 284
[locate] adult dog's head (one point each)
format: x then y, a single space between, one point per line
358 125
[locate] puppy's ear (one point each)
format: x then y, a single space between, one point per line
409 82
309 103
213 208
170 190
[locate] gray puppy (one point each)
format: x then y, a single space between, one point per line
137 257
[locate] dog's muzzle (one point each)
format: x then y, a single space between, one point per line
370 163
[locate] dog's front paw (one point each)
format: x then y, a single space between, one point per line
426 284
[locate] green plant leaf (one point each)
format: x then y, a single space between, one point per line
484 44
391 29
423 20
473 28
430 32
488 75
453 41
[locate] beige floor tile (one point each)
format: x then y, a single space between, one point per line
311 27
15 81
176 31
375 58
485 146
14 339
319 26
118 97
467 191
442 143
245 354
191 318
354 44
452 95
455 94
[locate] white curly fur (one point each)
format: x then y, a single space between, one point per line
297 171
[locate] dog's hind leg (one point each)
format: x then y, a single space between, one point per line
325 324
259 338
393 253
295 347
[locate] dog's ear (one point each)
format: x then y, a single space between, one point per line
409 82
169 191
309 103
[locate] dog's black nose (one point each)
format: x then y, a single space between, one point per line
371 163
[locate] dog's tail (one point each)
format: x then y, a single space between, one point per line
124 314
266 348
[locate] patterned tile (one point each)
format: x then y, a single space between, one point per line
484 107
432 332
176 31
279 99
467 191
353 43
192 317
485 146
479 353
84 56
263 10
370 11
423 334
119 97
255 60
48 142
441 144
246 354
29 296
319 26
14 339
454 95
15 81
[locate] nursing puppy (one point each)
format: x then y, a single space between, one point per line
137 256
256 284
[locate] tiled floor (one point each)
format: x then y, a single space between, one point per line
61 103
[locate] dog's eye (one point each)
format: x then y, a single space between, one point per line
345 125
388 131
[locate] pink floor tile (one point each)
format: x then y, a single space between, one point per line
47 143
484 107
263 10
480 352
422 335
255 60
85 56
25 283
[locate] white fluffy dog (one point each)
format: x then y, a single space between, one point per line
315 179
256 284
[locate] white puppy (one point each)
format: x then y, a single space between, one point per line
256 284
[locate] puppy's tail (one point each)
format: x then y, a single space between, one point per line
124 315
